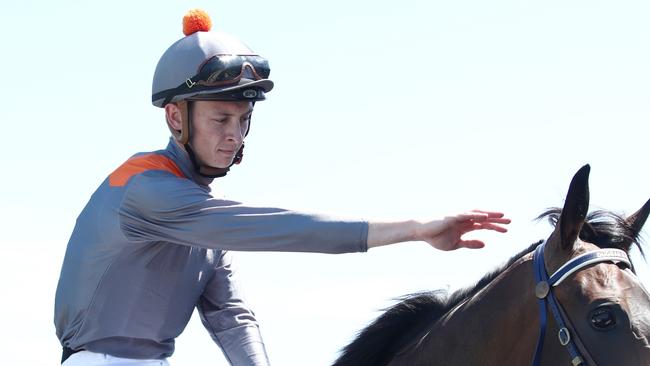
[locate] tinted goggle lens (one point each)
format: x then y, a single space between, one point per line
221 69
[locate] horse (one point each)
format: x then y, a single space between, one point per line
592 310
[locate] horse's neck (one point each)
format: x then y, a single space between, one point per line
485 328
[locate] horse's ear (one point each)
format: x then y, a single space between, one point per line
575 209
637 219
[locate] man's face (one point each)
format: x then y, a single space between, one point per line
218 130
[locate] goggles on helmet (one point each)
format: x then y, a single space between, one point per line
229 69
220 71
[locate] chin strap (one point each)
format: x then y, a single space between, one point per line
184 138
208 171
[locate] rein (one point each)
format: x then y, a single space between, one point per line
544 292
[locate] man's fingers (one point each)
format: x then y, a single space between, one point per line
479 216
488 226
471 244
490 214
474 216
499 220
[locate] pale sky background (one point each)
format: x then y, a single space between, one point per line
382 110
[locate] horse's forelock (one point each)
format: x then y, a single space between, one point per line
602 228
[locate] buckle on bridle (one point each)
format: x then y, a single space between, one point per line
565 336
577 361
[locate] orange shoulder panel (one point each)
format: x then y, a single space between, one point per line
141 164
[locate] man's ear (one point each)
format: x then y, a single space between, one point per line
173 116
178 120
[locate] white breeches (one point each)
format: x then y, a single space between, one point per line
87 358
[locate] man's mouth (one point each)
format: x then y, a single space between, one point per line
227 152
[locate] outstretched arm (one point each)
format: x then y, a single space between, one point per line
443 234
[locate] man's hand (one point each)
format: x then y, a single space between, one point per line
444 234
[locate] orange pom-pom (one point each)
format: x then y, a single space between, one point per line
196 20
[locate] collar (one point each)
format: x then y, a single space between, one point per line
182 159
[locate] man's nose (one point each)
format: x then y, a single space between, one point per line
234 132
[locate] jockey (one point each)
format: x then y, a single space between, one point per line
153 244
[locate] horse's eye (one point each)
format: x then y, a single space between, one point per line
603 319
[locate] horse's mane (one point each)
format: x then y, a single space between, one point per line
400 324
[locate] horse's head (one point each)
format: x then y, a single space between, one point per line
607 306
592 305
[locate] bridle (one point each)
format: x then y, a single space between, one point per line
544 292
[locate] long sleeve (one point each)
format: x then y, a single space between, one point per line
230 323
159 207
146 251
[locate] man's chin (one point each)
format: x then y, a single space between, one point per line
221 164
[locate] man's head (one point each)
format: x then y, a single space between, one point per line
202 76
